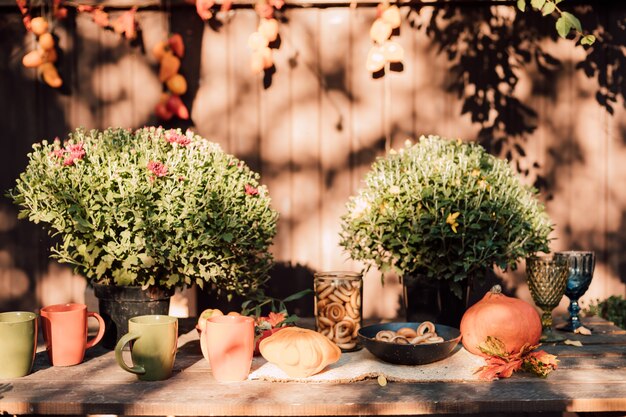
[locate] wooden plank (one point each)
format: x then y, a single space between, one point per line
276 145
307 192
264 398
336 97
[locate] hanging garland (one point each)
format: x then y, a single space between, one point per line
45 55
384 51
263 41
169 54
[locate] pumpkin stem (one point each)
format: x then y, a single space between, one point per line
496 289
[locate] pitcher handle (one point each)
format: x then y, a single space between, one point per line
94 341
128 337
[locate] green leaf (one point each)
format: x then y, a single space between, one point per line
521 4
537 4
548 8
563 27
298 295
573 20
587 40
228 237
146 260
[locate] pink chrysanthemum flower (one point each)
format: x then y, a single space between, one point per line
157 168
250 190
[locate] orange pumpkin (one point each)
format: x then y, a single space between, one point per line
513 321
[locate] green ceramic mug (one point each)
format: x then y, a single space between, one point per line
18 343
153 340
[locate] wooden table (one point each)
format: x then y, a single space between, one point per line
591 378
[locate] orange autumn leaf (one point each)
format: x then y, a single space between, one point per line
203 8
226 5
125 24
170 64
100 17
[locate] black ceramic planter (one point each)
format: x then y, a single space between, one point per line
118 304
433 301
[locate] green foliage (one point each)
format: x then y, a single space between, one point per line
152 207
612 309
444 209
564 24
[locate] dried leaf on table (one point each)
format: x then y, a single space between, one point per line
573 343
583 330
502 364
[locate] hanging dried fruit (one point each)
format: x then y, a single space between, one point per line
168 53
261 58
39 26
44 57
384 50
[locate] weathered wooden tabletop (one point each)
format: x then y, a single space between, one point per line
591 378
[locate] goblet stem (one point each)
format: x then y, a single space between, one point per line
573 322
546 320
547 334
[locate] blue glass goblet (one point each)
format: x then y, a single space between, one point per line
581 266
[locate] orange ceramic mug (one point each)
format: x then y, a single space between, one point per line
230 344
65 332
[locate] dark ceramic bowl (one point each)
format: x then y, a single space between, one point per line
409 354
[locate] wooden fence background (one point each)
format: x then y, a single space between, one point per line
313 133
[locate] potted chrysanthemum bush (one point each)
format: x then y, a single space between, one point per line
147 211
440 213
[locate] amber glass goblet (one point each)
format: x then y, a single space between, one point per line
546 277
581 265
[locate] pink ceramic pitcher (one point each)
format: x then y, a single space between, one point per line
65 332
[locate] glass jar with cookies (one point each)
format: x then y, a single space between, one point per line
338 307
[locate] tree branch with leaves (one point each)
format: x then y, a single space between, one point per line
566 21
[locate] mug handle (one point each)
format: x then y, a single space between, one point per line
128 337
94 341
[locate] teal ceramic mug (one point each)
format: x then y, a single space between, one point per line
18 343
153 340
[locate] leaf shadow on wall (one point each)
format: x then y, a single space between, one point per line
29 112
486 45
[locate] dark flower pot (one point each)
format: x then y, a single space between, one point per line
433 301
118 304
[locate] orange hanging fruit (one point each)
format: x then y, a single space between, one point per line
39 25
380 31
50 75
33 59
159 49
391 15
46 41
170 65
257 41
393 51
256 62
177 85
375 59
49 56
269 29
